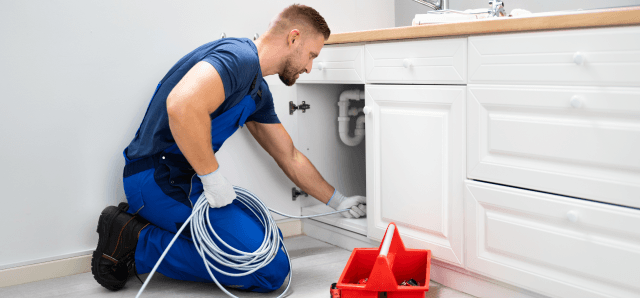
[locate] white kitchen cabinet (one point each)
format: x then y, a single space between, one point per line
575 141
602 57
341 64
440 61
415 166
557 246
552 118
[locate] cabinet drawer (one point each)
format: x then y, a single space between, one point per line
337 64
532 137
603 57
441 61
553 245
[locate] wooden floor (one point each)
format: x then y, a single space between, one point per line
316 265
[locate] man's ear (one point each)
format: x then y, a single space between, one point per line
294 34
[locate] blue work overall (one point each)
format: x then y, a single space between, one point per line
163 189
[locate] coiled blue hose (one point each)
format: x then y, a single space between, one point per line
245 262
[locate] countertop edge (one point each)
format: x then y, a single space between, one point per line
596 18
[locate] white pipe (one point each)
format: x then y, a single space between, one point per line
343 119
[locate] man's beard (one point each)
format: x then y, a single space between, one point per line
289 74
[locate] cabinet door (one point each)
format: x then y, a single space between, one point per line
246 164
415 166
554 245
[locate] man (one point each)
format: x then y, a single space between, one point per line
171 161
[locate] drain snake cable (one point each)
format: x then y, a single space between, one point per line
245 262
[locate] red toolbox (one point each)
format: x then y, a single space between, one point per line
385 269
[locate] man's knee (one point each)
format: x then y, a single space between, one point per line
276 272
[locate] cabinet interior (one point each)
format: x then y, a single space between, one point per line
342 166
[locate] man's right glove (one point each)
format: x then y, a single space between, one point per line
217 189
356 204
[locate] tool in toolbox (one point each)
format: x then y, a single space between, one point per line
391 270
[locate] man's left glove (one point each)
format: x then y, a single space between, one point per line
356 204
217 189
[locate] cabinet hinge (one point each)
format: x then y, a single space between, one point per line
292 107
296 192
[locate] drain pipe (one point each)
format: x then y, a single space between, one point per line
343 119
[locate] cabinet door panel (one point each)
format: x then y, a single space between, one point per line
242 153
558 246
415 166
532 137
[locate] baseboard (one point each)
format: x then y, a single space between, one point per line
46 270
443 273
474 284
290 227
82 264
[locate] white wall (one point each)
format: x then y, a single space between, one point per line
75 80
407 9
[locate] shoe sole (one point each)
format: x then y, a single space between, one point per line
102 243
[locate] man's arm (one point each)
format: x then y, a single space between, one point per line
199 93
277 142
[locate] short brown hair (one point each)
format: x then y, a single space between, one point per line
302 13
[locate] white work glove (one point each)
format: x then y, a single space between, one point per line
217 189
357 204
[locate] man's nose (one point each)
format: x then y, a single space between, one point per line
308 67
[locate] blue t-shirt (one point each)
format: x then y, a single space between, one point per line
237 62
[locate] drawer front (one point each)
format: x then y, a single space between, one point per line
441 61
553 245
599 57
575 141
337 64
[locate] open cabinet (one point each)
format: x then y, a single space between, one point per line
343 166
314 133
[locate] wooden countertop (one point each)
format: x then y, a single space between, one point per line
582 19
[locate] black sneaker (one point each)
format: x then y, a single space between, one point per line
113 261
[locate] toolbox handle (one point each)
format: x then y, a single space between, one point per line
386 243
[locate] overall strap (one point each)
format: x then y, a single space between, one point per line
253 85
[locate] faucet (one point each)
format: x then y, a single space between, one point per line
435 5
497 8
442 6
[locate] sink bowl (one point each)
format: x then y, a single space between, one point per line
453 17
552 13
